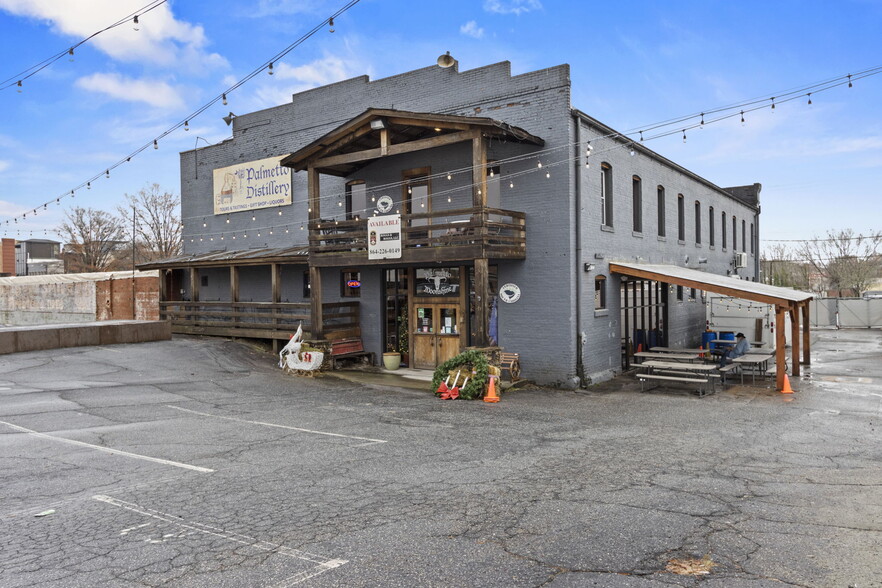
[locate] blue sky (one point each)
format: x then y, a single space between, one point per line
632 64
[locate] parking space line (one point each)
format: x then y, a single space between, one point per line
216 416
322 564
109 450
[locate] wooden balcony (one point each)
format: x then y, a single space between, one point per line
446 236
258 320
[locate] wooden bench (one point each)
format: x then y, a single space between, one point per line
347 349
702 391
512 363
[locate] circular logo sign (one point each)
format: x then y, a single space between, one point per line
384 204
509 293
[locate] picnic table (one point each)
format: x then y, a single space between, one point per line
689 373
667 356
678 350
756 362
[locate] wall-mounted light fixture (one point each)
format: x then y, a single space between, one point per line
589 267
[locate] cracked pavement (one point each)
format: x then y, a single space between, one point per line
197 462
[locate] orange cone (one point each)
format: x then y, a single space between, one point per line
491 395
787 389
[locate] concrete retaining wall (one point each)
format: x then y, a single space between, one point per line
41 337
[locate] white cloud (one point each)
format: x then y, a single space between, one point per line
471 29
516 7
161 38
289 79
4 165
155 93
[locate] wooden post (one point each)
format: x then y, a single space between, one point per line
780 344
315 287
313 192
482 300
479 172
234 283
163 285
806 335
276 280
194 284
794 338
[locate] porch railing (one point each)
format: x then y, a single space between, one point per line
497 230
257 320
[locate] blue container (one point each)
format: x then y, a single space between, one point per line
706 339
726 336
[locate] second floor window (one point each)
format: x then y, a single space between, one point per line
356 199
681 218
637 202
710 226
723 225
661 211
697 222
606 195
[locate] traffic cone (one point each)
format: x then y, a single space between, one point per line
491 395
639 347
787 389
701 352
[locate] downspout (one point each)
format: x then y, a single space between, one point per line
577 257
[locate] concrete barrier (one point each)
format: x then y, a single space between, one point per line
42 337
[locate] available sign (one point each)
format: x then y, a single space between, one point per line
248 186
384 237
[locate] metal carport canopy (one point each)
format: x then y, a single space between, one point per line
784 300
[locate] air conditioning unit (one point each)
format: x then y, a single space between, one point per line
740 260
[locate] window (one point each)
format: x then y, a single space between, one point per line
752 239
723 228
681 218
307 289
600 293
661 211
710 226
606 195
697 222
744 236
350 284
692 294
204 280
637 202
680 293
356 199
734 233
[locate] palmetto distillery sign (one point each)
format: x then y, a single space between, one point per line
251 185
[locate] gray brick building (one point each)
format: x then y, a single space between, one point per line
496 180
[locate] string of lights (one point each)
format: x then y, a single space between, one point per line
17 79
266 66
739 109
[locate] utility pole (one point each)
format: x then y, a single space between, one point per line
134 216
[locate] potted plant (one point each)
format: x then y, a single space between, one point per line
391 359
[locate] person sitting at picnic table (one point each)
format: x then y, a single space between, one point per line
740 348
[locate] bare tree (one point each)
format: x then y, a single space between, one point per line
92 239
850 262
158 223
781 268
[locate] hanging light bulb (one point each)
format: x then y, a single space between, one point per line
88 185
588 149
270 71
491 172
684 135
186 125
224 97
641 136
280 212
448 199
631 151
135 24
70 53
809 98
228 219
19 86
331 25
253 218
773 104
742 118
701 125
409 189
849 81
449 177
107 173
511 184
587 165
548 174
155 144
539 165
204 224
340 203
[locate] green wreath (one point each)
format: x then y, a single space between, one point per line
474 365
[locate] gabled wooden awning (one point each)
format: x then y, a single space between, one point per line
379 132
785 300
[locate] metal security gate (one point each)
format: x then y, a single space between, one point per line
854 313
644 305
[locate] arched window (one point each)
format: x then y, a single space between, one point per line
606 195
637 203
697 222
723 225
661 211
681 218
710 227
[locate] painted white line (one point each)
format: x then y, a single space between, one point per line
216 416
109 450
322 564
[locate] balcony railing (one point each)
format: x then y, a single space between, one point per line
257 320
459 234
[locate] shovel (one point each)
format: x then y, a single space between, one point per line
454 394
446 394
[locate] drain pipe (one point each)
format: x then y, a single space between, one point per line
577 257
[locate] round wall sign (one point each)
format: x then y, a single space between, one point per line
509 293
385 204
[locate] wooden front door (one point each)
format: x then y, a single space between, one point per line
436 334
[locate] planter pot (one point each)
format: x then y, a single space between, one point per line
392 361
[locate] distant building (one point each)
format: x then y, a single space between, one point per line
38 257
7 257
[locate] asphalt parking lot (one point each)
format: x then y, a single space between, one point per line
196 462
